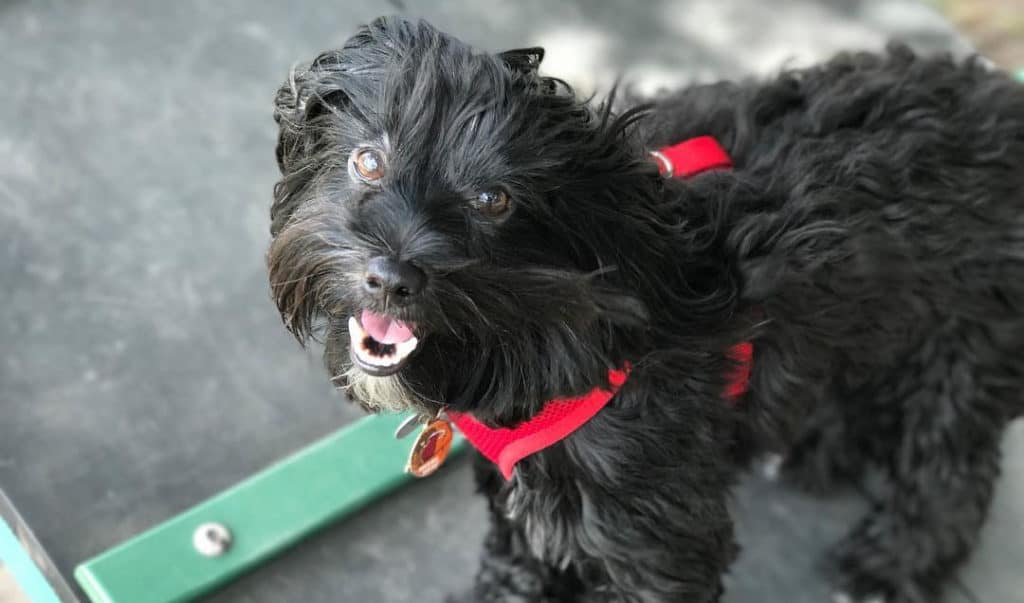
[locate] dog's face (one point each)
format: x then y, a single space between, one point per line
442 223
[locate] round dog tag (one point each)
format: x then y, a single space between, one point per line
430 449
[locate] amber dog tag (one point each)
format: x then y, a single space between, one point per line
430 449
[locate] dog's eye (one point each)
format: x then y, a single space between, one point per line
368 164
492 202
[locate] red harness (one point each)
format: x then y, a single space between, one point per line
560 417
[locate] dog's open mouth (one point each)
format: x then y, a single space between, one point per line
381 345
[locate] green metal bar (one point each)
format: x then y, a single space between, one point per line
265 514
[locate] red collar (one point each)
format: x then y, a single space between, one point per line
559 417
562 416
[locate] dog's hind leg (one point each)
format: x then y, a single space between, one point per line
943 461
847 431
828 452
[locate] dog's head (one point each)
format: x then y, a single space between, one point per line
450 223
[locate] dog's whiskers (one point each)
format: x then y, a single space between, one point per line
300 279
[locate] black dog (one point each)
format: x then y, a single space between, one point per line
464 233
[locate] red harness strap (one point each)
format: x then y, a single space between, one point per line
560 417
691 157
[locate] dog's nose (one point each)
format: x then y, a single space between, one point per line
390 278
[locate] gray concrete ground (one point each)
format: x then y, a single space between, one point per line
142 366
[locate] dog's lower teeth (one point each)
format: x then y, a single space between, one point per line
373 353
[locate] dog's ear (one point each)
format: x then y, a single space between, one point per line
327 83
310 93
523 60
335 86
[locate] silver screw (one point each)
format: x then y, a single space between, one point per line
211 539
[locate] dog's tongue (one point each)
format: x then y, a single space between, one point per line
385 329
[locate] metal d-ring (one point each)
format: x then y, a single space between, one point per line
669 169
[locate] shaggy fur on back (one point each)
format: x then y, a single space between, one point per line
869 243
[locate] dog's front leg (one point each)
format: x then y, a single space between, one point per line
509 572
656 545
644 497
655 539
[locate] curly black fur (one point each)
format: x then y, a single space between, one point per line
869 242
